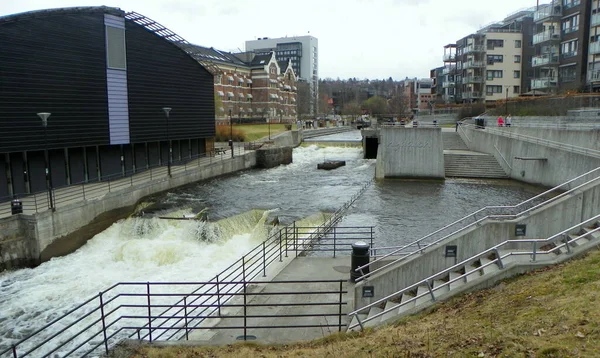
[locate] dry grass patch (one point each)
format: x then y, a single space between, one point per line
548 313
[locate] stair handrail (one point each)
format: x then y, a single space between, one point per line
493 249
474 214
549 143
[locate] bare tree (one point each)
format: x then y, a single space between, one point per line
352 109
398 105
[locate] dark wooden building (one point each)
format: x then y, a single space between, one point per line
105 80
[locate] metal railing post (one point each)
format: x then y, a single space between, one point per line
287 236
149 312
340 308
430 290
499 259
334 237
566 241
280 257
534 250
245 312
218 296
185 317
103 321
264 260
295 239
14 350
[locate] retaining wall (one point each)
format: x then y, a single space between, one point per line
410 153
541 223
31 239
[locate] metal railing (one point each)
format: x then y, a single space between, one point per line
196 301
289 240
38 202
540 141
476 218
554 243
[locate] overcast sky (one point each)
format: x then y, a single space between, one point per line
372 39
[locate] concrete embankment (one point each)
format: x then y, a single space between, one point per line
27 240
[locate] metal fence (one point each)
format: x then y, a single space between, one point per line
40 201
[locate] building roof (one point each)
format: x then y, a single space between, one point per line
261 60
64 10
213 55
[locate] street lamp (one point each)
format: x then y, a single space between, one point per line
167 110
44 117
230 132
268 121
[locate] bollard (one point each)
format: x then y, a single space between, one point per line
360 257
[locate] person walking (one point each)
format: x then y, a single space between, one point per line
508 121
500 121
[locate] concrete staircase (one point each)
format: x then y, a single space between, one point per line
452 140
472 165
480 271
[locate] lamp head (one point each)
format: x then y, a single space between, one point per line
167 110
44 117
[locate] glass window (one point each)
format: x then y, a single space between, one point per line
517 74
517 89
517 59
491 59
115 47
490 90
491 74
517 43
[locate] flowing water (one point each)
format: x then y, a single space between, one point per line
147 248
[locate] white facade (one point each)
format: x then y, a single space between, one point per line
303 51
503 65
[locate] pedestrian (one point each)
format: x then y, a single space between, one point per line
457 123
500 121
508 121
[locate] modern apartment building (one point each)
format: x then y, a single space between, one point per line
449 72
561 41
303 53
593 69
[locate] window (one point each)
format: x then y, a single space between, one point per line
218 79
568 74
491 44
490 90
517 89
491 74
491 59
569 49
570 25
115 48
517 74
517 43
517 59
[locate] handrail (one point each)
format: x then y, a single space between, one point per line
548 143
38 201
494 249
501 156
246 269
465 218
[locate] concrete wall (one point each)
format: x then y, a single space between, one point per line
410 153
561 165
288 139
47 234
541 223
273 156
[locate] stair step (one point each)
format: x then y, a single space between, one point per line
489 268
354 321
470 276
372 312
425 298
406 306
513 258
595 235
581 240
390 314
440 290
456 283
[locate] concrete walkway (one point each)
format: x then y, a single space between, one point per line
298 269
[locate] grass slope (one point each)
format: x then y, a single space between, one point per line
553 312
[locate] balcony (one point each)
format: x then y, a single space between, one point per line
545 36
450 57
594 76
471 95
473 64
448 84
473 79
594 47
473 48
545 60
541 83
547 13
448 69
595 19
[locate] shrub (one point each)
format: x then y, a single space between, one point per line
223 133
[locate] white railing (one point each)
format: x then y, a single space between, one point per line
562 237
545 36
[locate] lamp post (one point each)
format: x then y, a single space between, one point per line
44 117
268 121
167 110
506 103
230 132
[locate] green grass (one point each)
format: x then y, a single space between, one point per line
547 313
254 132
